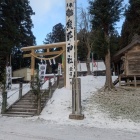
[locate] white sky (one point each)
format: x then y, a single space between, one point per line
48 13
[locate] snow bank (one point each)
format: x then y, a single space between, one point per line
59 108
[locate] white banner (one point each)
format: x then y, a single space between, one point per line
42 72
8 77
70 25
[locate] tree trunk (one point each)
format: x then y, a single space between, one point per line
108 83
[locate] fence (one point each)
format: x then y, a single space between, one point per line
8 99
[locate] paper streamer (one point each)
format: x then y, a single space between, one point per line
50 62
54 61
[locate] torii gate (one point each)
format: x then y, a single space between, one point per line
69 47
33 54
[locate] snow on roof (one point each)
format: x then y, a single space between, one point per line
93 66
81 67
97 66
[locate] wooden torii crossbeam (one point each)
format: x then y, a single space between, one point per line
31 53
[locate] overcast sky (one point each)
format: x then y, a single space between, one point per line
49 13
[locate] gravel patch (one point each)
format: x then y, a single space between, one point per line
124 103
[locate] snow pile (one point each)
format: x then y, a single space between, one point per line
59 108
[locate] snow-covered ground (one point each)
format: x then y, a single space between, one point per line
59 108
13 93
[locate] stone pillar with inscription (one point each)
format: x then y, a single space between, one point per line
71 62
70 23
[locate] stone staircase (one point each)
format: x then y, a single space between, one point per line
26 106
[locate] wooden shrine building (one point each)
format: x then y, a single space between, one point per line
127 63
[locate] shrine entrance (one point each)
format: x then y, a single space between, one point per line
69 51
32 52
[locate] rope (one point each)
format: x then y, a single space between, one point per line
47 58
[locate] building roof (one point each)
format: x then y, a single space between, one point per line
95 66
135 40
45 46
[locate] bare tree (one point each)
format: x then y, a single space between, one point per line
85 33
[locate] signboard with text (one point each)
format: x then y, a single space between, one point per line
70 25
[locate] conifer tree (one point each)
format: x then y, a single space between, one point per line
57 35
16 25
105 13
131 26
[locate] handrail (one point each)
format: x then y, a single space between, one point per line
17 90
53 82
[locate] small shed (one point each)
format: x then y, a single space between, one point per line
25 73
127 62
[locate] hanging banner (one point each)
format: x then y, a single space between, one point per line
42 72
70 24
8 77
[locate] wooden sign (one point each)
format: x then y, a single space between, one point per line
70 25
